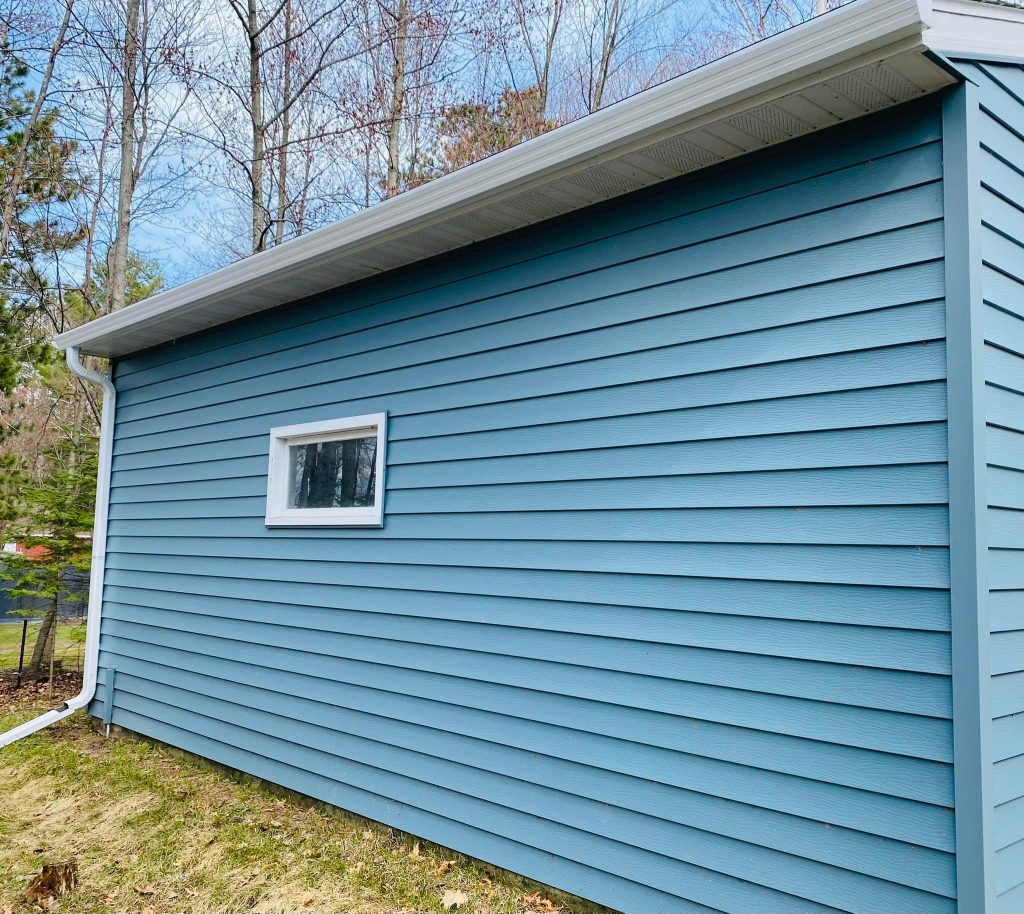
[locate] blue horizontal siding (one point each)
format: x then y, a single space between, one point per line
716 795
539 398
917 525
660 609
1001 160
925 610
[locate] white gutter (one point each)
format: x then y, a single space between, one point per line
99 553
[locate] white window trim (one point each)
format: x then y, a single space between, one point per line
283 437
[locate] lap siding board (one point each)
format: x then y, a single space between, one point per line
660 612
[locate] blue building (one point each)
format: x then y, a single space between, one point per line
640 509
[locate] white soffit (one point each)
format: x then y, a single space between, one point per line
861 58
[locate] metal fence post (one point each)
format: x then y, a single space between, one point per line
21 655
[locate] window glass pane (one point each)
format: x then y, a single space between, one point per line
333 474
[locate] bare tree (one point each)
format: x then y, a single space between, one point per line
126 102
291 48
609 21
117 256
412 65
400 18
542 53
623 46
749 21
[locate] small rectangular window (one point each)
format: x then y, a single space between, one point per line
327 473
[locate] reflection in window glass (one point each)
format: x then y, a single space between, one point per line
333 474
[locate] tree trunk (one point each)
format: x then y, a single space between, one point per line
349 468
94 215
44 643
259 128
397 99
117 258
609 44
286 123
544 77
327 476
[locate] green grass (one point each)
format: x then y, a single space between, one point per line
68 647
152 830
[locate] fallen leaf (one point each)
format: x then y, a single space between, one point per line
358 867
308 902
538 902
52 881
276 823
147 889
415 852
444 867
453 898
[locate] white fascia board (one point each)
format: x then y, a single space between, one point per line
977 28
858 33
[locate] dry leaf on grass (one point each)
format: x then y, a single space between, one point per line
147 889
444 867
537 902
54 880
453 898
415 852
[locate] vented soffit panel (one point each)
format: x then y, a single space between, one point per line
861 58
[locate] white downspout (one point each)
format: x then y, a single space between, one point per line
99 553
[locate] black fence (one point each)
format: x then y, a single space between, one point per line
22 626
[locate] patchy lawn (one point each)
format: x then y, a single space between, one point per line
68 647
153 831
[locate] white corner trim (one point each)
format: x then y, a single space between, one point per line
278 514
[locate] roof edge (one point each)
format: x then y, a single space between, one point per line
853 34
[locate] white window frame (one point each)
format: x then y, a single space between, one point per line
286 436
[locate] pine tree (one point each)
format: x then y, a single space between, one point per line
49 513
46 497
38 163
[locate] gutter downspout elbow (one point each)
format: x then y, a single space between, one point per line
99 556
